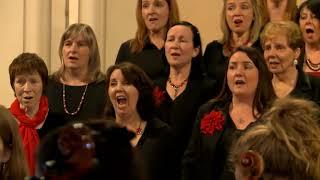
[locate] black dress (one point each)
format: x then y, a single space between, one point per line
93 102
214 62
150 59
206 157
155 150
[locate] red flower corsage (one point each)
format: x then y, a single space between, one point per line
158 96
211 122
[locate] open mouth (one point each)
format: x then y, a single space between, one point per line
28 97
237 21
153 19
73 58
273 63
175 54
121 99
240 82
309 30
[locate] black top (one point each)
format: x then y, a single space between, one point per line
215 62
302 62
155 150
307 87
206 157
150 59
180 113
93 102
52 121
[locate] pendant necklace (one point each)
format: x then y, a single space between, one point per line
176 87
139 129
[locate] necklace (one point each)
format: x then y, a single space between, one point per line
176 87
139 129
65 104
312 66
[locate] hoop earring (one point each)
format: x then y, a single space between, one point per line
295 62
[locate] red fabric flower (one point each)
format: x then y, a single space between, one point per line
158 96
211 122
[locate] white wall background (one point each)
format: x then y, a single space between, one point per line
37 25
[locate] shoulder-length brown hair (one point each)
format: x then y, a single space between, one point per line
140 80
255 27
137 43
16 166
264 94
94 72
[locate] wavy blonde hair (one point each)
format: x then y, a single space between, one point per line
289 29
137 43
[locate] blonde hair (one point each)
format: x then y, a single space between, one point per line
289 142
16 166
289 29
137 43
74 30
255 27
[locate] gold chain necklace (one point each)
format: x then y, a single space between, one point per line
176 87
65 104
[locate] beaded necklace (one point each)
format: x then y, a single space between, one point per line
65 104
312 66
176 87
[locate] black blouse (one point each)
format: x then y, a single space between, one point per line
150 59
307 87
180 113
206 156
93 102
155 150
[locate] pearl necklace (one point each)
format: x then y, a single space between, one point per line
65 104
176 87
312 66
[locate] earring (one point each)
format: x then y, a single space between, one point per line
295 62
2 167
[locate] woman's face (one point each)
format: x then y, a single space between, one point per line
278 54
242 75
123 96
179 47
75 53
155 14
28 89
309 26
239 15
